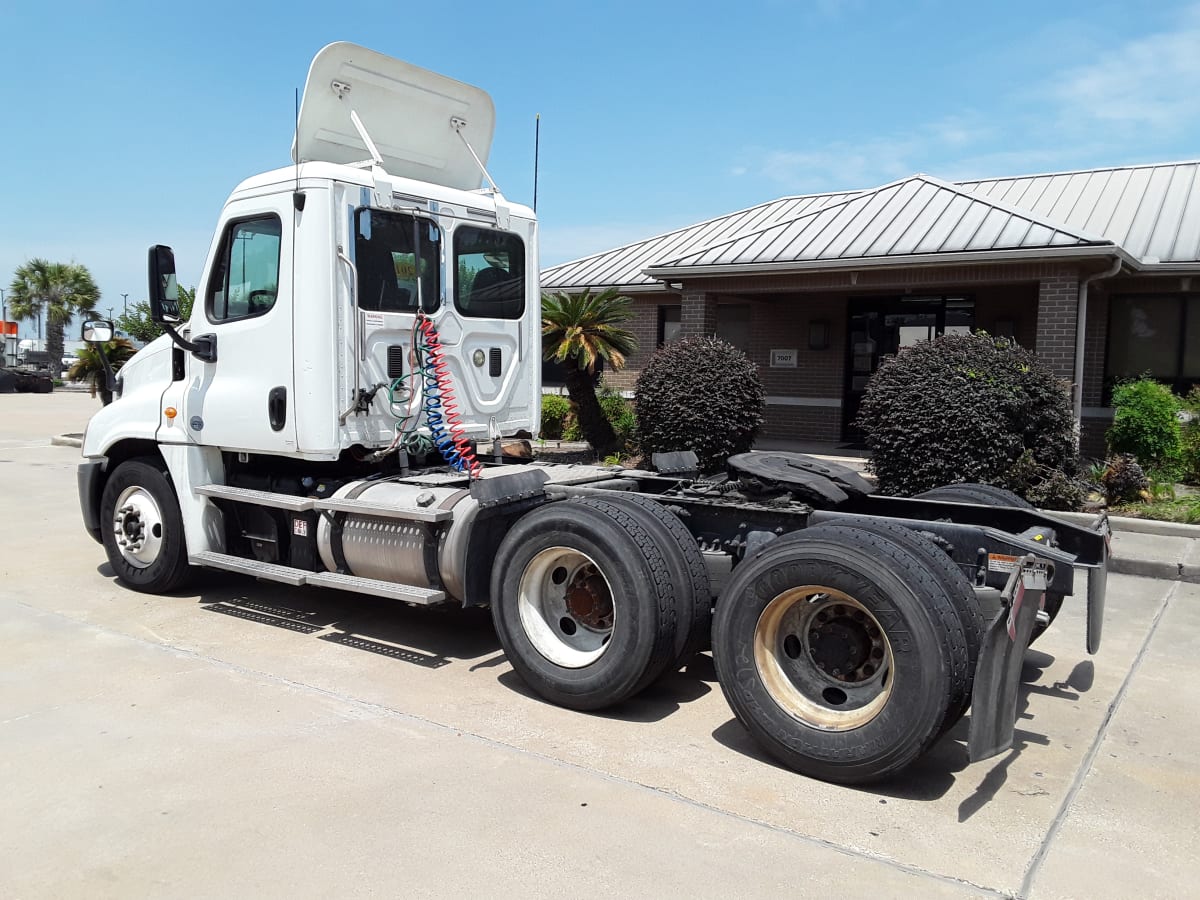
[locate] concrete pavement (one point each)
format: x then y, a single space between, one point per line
253 739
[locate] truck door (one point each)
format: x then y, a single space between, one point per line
244 400
491 270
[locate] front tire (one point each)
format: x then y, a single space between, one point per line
142 529
840 652
583 603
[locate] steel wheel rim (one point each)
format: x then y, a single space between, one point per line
566 607
138 527
805 628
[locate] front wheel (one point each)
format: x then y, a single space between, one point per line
142 528
840 652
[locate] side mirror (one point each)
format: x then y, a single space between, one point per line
97 331
164 289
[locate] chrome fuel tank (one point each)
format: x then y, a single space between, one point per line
393 548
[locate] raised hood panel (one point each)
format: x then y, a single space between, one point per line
406 111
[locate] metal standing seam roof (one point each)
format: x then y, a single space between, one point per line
916 216
1150 212
624 266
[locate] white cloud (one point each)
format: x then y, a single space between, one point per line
852 165
1151 82
1129 103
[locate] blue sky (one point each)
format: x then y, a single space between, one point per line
123 125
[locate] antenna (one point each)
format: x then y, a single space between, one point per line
297 197
537 140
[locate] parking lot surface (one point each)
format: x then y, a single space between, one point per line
250 739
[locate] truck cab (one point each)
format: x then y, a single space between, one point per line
317 273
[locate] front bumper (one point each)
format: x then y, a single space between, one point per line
90 476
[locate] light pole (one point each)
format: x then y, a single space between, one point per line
125 304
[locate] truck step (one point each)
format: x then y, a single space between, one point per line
258 498
299 577
264 570
406 592
365 508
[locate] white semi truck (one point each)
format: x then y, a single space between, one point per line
334 413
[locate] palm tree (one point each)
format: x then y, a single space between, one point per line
136 322
90 367
64 289
579 331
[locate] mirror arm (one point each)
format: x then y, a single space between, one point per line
204 347
110 377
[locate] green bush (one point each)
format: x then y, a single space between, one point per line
555 409
969 407
699 394
617 410
1146 424
1189 433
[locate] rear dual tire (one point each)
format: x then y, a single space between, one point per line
594 599
841 652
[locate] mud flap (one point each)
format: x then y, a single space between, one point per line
998 673
1097 588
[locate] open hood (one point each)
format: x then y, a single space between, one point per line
407 112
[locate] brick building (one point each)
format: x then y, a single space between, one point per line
817 289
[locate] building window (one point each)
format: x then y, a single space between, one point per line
1156 335
733 324
670 324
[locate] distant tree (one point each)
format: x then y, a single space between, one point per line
59 291
137 322
579 331
90 368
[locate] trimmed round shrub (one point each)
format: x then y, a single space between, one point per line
555 409
967 407
699 394
1146 423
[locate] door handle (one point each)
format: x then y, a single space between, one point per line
277 408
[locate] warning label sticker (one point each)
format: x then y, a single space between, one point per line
374 319
1000 562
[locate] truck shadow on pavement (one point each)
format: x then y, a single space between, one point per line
428 637
932 776
438 636
653 704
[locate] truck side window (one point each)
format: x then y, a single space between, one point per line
245 280
387 265
490 267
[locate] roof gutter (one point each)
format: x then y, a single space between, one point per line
1081 335
931 260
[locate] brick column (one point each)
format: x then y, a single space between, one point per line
698 317
1058 307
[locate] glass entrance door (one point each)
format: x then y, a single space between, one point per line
881 327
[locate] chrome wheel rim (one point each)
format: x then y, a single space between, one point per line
823 658
565 603
138 527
